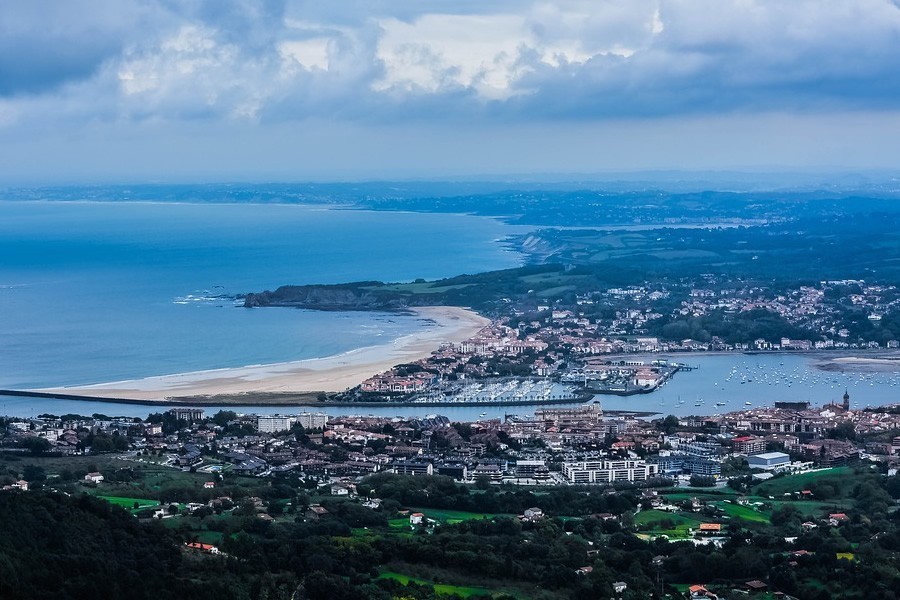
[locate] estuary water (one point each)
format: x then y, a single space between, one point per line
105 291
721 383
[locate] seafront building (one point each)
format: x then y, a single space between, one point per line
279 423
590 413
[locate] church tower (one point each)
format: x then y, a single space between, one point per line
846 400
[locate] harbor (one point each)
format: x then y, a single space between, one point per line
506 391
716 384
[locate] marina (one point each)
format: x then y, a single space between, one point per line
719 383
508 392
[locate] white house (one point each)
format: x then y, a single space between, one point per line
93 477
533 514
416 519
339 490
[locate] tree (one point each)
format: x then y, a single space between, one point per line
222 417
669 424
702 481
843 431
36 445
33 473
483 482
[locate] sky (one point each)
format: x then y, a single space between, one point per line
221 90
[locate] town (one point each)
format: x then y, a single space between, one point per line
555 446
692 479
583 345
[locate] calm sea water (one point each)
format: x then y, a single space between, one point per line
94 292
728 382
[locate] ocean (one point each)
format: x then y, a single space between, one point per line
104 291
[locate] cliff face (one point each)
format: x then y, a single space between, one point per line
321 297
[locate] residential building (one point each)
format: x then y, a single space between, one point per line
274 423
412 467
609 471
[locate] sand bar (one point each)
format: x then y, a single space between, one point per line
861 364
330 374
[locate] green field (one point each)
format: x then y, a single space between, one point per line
703 494
396 526
129 503
421 288
653 520
744 513
811 508
440 588
453 516
842 477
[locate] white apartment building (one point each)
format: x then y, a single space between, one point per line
274 423
609 470
312 420
278 423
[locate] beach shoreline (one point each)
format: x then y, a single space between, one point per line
326 374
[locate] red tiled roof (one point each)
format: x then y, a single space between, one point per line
199 546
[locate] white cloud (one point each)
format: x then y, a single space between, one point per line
436 53
308 54
492 53
382 60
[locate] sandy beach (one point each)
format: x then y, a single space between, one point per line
880 363
329 374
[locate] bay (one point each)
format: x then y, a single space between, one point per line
105 291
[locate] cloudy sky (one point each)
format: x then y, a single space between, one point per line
119 90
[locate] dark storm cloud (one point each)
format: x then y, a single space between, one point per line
383 60
46 44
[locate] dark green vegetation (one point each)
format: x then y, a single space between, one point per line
470 545
53 546
144 482
850 239
805 248
779 501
